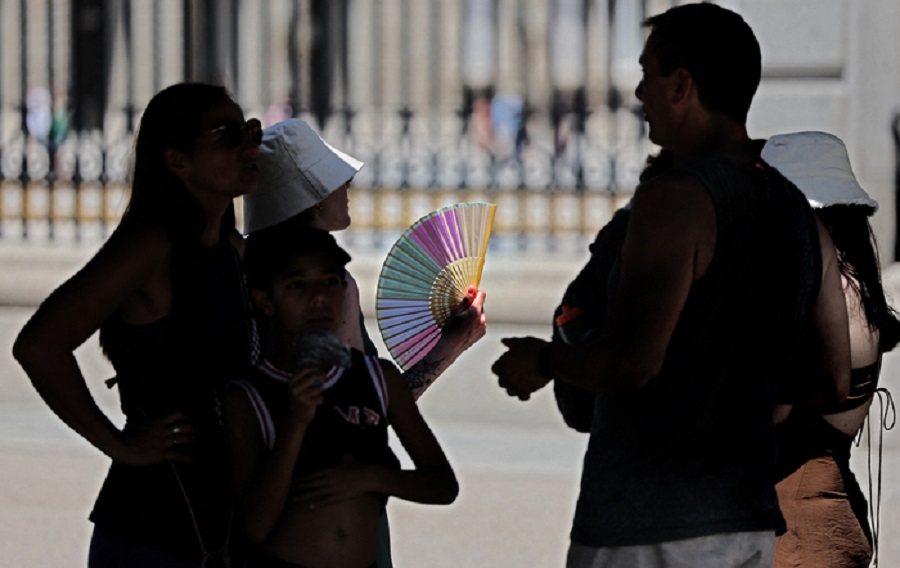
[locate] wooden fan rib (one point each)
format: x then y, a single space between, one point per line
450 231
407 270
403 331
400 290
453 223
410 256
400 323
467 230
490 211
402 276
464 274
410 353
401 303
391 320
428 236
398 320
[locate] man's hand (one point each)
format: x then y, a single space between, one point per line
517 369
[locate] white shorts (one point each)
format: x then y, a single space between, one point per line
727 550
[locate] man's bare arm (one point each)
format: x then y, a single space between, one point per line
669 244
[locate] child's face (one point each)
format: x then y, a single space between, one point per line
308 294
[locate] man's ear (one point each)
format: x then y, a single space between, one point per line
683 84
263 302
176 162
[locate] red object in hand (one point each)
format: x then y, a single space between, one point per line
568 314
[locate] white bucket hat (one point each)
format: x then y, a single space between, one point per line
818 164
297 169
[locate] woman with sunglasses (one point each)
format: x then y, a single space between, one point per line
166 294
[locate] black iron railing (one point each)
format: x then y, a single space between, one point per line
546 127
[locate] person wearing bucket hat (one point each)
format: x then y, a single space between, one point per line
823 504
304 182
299 173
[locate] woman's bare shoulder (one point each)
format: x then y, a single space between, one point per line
129 270
136 243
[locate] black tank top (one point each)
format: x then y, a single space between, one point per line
691 453
352 420
179 362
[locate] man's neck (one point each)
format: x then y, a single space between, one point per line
714 134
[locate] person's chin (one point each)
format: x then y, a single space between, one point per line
342 225
322 324
250 180
654 139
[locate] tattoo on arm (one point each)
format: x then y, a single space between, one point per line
422 375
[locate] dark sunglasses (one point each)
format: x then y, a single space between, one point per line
234 133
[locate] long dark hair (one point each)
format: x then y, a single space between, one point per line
173 119
851 232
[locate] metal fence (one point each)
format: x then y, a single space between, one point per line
527 103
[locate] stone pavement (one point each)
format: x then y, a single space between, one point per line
517 463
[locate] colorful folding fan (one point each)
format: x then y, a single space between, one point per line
427 274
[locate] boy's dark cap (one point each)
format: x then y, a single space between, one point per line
269 250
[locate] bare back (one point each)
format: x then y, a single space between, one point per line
864 352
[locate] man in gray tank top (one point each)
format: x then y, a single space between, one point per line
723 273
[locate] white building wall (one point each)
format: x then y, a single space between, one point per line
833 65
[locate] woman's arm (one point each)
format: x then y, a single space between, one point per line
261 479
129 275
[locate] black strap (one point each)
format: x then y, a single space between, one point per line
887 418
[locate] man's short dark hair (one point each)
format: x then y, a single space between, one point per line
717 47
268 251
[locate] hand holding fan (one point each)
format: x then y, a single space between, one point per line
427 275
